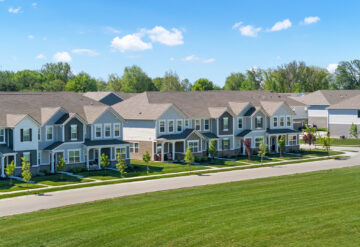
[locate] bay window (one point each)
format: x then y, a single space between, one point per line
74 156
194 146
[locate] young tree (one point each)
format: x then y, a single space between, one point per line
281 144
121 166
104 161
262 150
10 170
326 142
247 145
26 173
189 157
309 135
61 166
353 130
146 159
212 149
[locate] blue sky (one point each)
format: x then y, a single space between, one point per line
196 39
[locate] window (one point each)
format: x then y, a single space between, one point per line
187 123
225 123
179 125
162 126
26 135
206 124
2 135
226 144
121 152
39 158
171 126
116 130
288 121
198 124
107 130
275 122
98 130
292 140
258 122
74 156
26 156
158 148
240 123
39 134
49 133
194 146
73 130
258 140
282 121
134 147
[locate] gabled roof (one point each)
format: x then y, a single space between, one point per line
48 112
92 113
14 119
179 136
68 116
243 133
216 112
238 107
350 103
326 97
270 107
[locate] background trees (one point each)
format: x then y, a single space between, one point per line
203 84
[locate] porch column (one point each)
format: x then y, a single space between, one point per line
173 150
15 160
87 158
162 151
277 146
99 155
52 162
269 144
2 167
243 145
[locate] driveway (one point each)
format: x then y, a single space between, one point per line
24 204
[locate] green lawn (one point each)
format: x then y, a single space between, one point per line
341 142
57 179
313 209
16 185
139 169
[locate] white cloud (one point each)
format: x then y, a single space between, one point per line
62 57
237 24
278 57
34 5
130 42
332 67
248 30
30 36
14 10
164 36
40 56
193 58
85 52
112 30
172 59
311 19
2 1
281 25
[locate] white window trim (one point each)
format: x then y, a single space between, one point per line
107 125
101 130
296 141
68 155
182 125
39 134
126 156
222 143
205 124
132 147
242 123
256 137
263 122
162 121
173 126
116 124
27 153
280 121
4 135
277 122
38 158
196 124
227 129
194 141
188 125
71 128
52 132
287 121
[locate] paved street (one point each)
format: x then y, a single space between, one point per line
24 204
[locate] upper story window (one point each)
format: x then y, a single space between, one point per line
162 126
275 122
2 135
259 122
171 126
288 121
107 130
206 124
198 124
179 125
225 123
49 133
98 131
282 121
187 123
240 123
116 130
73 130
25 135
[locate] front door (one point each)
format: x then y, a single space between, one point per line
273 144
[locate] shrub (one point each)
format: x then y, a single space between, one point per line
78 169
204 159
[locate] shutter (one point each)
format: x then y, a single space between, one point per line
30 131
30 160
78 131
262 122
21 135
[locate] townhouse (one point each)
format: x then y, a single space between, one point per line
42 127
166 123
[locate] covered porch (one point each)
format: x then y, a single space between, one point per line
273 135
7 155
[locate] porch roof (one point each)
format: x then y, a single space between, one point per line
91 143
210 135
53 146
180 136
281 131
5 149
243 133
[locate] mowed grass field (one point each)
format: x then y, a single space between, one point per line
312 209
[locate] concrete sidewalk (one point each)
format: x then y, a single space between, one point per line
24 204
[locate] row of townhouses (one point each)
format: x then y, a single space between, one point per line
42 127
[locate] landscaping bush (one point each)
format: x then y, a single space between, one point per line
78 169
204 159
197 159
44 172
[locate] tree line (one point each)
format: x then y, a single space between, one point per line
287 78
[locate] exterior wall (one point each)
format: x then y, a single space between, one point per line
338 130
230 130
285 112
143 147
259 113
301 112
213 126
343 116
33 157
80 130
318 115
140 130
318 121
107 118
169 115
31 145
